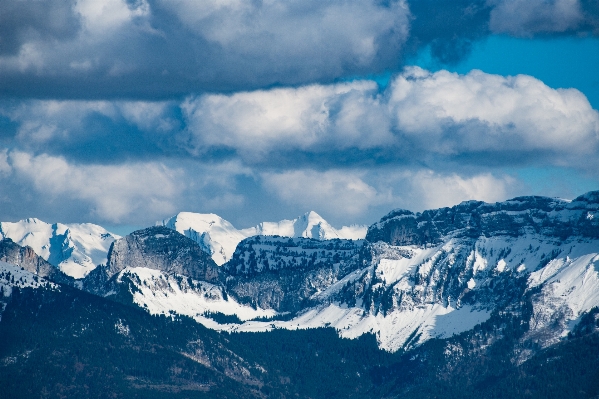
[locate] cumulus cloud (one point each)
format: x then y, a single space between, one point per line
349 150
344 195
436 190
335 192
311 118
451 113
149 49
420 114
419 117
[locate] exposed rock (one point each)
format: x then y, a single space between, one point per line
25 257
285 274
164 249
548 216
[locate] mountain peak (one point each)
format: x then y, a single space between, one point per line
75 249
219 238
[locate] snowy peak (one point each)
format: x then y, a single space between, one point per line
215 235
312 225
75 249
308 225
219 238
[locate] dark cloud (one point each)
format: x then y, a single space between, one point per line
530 18
448 27
160 49
22 21
590 9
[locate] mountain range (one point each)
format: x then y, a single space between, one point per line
471 296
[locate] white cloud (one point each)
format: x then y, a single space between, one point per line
305 118
115 193
452 113
528 17
435 190
420 112
338 193
105 15
346 195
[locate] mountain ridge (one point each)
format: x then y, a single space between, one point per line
219 237
468 301
416 277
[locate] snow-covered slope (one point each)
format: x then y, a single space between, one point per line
75 249
162 293
425 275
12 276
219 238
409 294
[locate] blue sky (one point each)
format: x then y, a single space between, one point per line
122 112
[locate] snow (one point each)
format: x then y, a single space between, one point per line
13 276
160 293
392 331
219 238
501 265
76 249
214 234
391 270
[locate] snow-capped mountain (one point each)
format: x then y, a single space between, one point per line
215 235
308 225
75 249
509 290
416 276
219 238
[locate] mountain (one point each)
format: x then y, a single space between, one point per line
416 277
477 300
219 238
75 249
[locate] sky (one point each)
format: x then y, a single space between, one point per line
125 112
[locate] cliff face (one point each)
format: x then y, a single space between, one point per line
160 248
417 276
523 215
25 257
285 274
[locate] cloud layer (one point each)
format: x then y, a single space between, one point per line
150 49
348 149
418 116
123 111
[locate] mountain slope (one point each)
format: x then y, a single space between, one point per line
418 276
75 249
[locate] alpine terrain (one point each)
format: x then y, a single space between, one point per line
477 300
